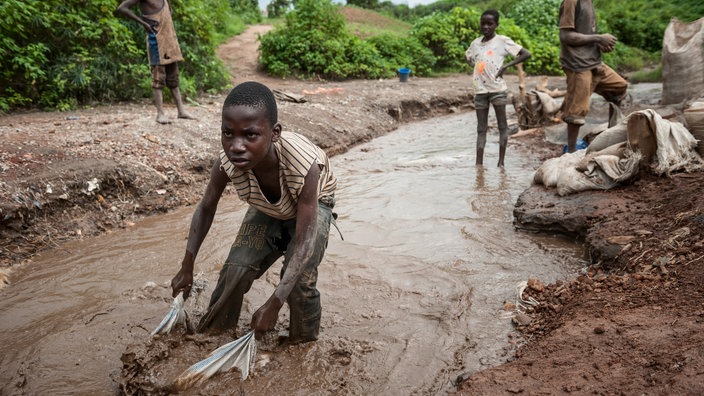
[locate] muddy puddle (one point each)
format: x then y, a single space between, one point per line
412 297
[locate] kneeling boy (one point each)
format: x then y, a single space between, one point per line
288 183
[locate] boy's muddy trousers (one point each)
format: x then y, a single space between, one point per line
260 241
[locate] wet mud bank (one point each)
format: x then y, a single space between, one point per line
77 174
630 323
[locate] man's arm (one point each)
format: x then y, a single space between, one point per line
606 41
522 55
125 9
200 225
304 243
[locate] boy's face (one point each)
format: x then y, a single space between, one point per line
247 136
488 25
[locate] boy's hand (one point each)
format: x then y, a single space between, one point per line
149 28
607 42
265 318
183 281
501 72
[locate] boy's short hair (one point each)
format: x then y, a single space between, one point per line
253 94
493 13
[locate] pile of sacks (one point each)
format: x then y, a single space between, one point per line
642 140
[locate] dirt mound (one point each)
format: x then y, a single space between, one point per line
354 15
631 322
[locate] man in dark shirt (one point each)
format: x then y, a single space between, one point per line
580 56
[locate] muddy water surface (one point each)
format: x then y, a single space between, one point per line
412 297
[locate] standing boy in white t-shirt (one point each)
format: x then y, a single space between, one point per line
486 55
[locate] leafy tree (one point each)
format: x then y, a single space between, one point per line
277 8
248 10
398 11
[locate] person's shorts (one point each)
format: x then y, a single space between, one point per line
482 101
580 86
165 75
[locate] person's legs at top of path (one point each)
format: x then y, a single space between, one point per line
167 75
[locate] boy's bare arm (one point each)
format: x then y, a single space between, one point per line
200 225
306 229
522 55
606 41
125 9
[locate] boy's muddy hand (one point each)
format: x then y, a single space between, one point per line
149 28
264 319
607 40
183 281
606 48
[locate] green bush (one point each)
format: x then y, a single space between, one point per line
407 52
49 54
646 75
626 59
60 54
448 35
539 19
642 23
196 23
314 41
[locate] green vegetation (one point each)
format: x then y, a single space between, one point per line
640 33
538 18
646 75
641 24
446 28
449 34
60 54
314 41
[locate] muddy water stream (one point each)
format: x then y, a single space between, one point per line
412 297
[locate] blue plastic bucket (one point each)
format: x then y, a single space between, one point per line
581 145
403 74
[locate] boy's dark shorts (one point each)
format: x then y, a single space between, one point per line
165 75
482 101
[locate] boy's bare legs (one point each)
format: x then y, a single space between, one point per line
502 154
176 93
572 133
500 112
159 103
482 126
